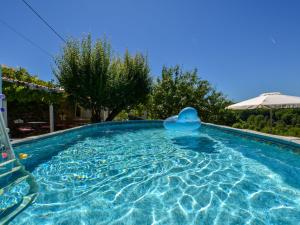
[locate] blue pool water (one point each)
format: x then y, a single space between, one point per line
144 174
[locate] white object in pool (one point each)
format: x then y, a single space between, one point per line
186 120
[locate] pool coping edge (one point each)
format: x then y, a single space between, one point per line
291 141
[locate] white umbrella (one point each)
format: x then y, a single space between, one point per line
274 100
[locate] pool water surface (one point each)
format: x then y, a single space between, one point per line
148 175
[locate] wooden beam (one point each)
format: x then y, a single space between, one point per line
51 118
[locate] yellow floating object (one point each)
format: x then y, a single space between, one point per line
23 156
80 177
1 191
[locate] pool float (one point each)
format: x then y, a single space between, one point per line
186 120
23 156
4 155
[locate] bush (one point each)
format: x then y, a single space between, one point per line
285 121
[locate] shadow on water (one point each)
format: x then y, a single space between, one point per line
197 144
44 150
279 159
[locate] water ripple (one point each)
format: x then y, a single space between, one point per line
151 176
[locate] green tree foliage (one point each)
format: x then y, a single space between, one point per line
18 92
285 121
177 89
129 84
90 75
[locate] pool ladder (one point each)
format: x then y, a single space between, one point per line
12 174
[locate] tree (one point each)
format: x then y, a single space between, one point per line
97 81
129 84
177 89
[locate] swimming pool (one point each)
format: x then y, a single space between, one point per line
140 173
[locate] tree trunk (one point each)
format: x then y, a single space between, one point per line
112 115
96 116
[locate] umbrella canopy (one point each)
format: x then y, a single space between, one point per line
274 100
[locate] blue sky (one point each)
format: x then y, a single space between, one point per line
242 47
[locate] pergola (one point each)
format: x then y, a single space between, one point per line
3 101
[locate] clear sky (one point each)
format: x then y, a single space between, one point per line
242 47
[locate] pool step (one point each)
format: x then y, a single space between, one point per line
7 162
15 169
14 182
13 173
8 214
